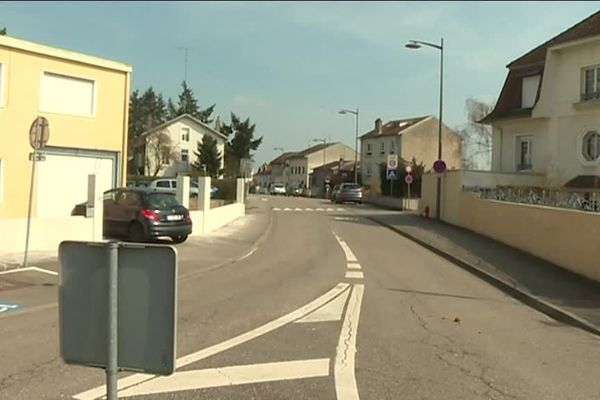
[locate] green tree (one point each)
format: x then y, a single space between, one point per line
160 152
208 157
241 143
3 31
188 104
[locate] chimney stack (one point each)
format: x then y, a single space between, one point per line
378 126
218 123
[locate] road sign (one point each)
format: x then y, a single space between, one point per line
38 156
327 179
392 161
391 174
439 166
39 133
146 305
408 179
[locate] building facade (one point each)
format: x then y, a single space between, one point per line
85 100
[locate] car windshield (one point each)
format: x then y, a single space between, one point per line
161 201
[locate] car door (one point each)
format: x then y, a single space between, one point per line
109 218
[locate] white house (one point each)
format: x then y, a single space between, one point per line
547 118
409 138
185 132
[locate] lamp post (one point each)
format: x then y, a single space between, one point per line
355 113
416 44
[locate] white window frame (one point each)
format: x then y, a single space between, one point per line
3 83
526 84
595 83
78 77
1 181
369 150
187 155
185 137
519 140
580 143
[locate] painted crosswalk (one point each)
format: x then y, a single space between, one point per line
318 209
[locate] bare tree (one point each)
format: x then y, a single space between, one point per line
160 151
476 137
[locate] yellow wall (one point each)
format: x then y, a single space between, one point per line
22 77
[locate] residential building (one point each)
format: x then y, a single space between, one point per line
333 173
547 118
279 172
85 100
186 133
409 138
302 163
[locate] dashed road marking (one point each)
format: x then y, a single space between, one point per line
354 275
353 265
319 209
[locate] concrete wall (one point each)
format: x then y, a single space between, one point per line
23 65
567 238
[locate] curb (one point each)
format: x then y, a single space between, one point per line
532 301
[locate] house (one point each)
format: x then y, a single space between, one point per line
302 163
85 100
333 173
278 171
409 138
547 117
185 133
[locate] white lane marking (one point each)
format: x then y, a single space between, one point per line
226 345
287 209
349 254
330 209
320 209
42 270
264 199
354 274
228 376
309 209
6 307
248 254
353 265
341 209
345 218
345 379
331 311
276 209
297 209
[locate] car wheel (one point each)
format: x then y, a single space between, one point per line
136 232
179 238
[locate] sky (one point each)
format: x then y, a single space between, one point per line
291 66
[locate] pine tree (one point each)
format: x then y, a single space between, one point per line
208 157
188 104
241 143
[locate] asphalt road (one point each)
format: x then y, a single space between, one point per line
308 300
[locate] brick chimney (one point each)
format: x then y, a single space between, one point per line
378 126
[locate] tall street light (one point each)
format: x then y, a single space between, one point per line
355 113
416 44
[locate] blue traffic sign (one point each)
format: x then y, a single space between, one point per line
391 174
439 166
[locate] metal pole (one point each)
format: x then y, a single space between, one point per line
356 151
113 279
391 188
439 179
408 200
38 133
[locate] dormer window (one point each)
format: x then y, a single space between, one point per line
591 84
529 89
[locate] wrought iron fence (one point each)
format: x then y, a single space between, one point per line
560 198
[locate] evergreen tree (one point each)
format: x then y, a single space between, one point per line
241 143
208 157
3 32
188 104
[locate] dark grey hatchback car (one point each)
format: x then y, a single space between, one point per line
141 215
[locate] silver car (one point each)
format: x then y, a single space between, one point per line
349 192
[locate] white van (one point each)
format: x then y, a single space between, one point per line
170 186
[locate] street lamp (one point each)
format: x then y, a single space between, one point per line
355 113
414 45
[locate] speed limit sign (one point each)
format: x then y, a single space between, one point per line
392 161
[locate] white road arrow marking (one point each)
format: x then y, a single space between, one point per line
228 376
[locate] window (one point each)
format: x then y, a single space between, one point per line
382 147
184 155
524 153
369 152
185 134
392 149
163 184
369 170
591 146
166 157
529 89
67 95
591 84
1 181
2 80
304 170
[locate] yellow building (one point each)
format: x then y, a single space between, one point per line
85 100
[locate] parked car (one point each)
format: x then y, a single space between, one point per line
141 215
348 192
278 188
300 192
334 191
169 185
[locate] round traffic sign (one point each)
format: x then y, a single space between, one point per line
439 166
408 169
408 179
39 133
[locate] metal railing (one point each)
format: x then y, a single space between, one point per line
559 198
590 96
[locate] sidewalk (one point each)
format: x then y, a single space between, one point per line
557 292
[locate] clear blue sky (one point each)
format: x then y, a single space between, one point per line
290 66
